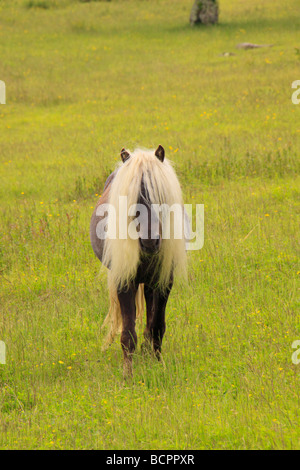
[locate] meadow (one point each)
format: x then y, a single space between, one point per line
82 81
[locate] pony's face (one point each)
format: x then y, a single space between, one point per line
149 225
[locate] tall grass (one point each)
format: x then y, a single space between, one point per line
82 81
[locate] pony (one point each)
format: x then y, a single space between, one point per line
141 267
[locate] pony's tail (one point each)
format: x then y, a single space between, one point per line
114 318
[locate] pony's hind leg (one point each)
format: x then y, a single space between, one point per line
128 335
113 318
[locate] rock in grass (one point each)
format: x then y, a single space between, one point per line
249 45
226 54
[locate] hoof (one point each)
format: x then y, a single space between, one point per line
160 358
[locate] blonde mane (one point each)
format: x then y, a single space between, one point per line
162 186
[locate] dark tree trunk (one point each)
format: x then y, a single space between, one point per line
204 12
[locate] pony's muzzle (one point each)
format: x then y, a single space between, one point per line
150 245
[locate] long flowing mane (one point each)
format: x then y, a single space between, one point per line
162 187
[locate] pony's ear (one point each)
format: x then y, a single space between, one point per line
160 153
124 155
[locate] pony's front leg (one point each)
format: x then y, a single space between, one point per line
128 335
156 302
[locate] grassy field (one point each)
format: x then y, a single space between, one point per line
82 81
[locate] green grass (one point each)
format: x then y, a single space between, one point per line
82 81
